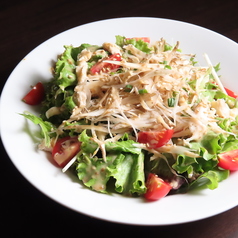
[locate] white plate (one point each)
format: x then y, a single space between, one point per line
65 189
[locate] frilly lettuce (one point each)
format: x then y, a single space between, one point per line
139 44
210 179
97 173
46 127
59 91
203 170
65 66
125 165
64 69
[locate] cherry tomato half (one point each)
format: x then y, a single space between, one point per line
156 188
65 149
230 93
106 67
155 139
36 95
228 160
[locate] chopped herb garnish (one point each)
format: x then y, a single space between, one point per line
142 91
167 67
128 88
171 102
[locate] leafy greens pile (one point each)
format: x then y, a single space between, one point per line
115 158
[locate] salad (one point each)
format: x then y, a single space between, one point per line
137 118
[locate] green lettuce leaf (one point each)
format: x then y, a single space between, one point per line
139 44
65 69
211 141
210 179
185 164
88 146
66 64
123 146
203 170
69 103
46 127
92 172
232 102
124 165
207 149
56 97
59 91
120 40
128 171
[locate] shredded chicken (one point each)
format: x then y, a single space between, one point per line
112 48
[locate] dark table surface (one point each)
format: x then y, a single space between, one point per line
24 25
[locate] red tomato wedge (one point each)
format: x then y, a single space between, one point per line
156 188
104 66
65 149
36 95
230 93
155 139
145 39
228 160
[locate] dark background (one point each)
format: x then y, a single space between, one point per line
24 25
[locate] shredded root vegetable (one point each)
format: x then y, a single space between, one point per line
150 92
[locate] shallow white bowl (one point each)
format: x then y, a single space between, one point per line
66 190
